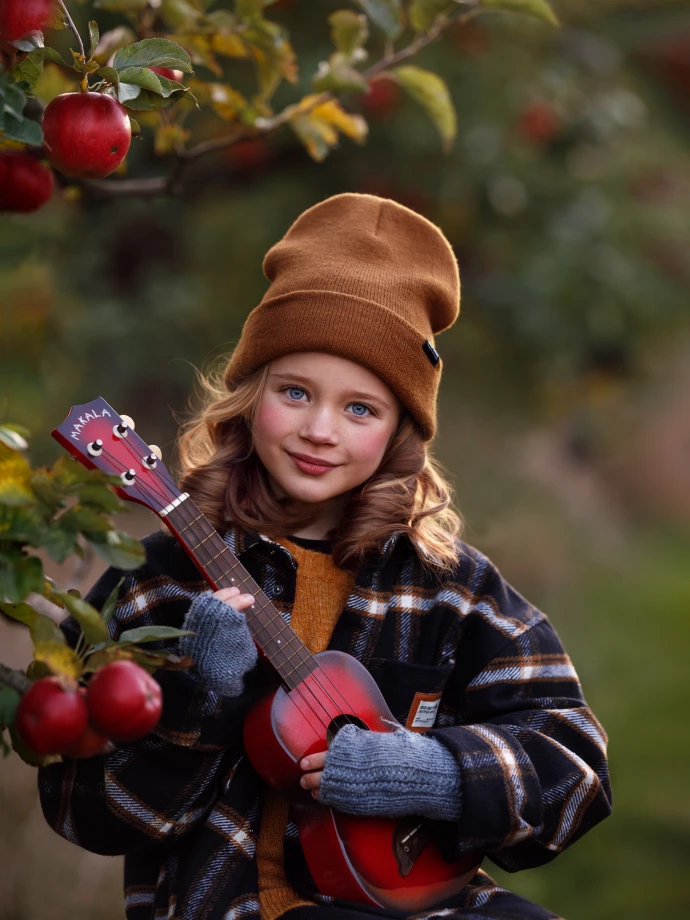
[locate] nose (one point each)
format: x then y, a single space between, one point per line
319 426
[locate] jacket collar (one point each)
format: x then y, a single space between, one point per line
239 541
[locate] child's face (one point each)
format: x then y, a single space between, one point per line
319 409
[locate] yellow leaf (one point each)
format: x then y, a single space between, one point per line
168 138
353 126
199 48
15 477
229 44
226 101
61 659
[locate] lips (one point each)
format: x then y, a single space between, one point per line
314 461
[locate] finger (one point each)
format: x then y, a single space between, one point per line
314 761
311 780
224 593
238 601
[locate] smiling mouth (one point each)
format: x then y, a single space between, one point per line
311 465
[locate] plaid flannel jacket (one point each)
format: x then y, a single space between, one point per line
182 804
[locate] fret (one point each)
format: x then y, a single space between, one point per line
199 545
190 524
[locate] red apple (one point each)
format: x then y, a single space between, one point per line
19 17
51 715
169 73
538 122
88 744
87 135
125 702
382 98
25 183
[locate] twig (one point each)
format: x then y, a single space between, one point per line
171 184
70 23
15 679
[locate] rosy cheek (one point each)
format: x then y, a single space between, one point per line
270 422
369 446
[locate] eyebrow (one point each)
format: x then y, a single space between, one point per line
351 394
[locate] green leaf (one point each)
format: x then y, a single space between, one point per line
151 634
31 68
11 437
349 31
153 52
386 14
143 77
85 520
109 74
22 613
424 13
59 543
146 100
19 575
161 658
431 92
23 130
87 616
43 629
29 42
94 35
338 77
120 550
9 700
121 6
100 496
538 8
108 608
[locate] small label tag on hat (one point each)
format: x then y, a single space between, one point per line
423 711
431 352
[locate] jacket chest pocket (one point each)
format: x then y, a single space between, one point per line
412 691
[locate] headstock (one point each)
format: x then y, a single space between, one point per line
98 437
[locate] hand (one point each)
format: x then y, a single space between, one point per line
233 597
315 764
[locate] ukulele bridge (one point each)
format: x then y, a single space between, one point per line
410 837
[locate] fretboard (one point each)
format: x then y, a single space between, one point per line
222 569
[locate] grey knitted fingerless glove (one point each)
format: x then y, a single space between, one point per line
223 650
391 774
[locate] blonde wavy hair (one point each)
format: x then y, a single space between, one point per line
221 470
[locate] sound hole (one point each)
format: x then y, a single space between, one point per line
338 723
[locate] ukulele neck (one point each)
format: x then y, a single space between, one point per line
222 569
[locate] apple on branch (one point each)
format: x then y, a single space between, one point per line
86 135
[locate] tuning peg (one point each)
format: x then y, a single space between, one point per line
129 422
155 449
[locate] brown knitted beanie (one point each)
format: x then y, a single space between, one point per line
364 278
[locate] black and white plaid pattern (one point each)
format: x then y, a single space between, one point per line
182 804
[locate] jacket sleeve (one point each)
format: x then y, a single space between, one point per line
161 786
532 755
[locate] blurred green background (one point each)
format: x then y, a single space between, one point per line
565 409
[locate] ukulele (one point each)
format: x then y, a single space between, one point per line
382 862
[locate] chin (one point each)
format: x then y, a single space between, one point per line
309 492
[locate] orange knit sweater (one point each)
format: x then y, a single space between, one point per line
321 593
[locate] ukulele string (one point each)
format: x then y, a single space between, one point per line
149 490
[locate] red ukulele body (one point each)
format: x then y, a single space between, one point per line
381 861
385 862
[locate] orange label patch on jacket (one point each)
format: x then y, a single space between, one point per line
423 711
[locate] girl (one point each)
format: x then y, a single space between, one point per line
311 457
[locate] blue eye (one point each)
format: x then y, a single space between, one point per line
295 390
357 406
